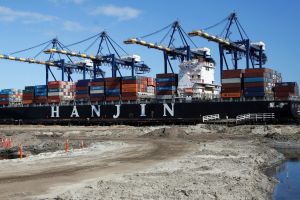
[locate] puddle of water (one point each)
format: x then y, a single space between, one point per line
288 175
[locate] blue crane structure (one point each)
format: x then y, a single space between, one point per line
253 52
112 58
67 68
170 51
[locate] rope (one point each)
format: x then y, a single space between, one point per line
89 38
144 36
30 48
217 24
41 51
117 45
91 45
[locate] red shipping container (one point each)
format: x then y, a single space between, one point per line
169 75
95 99
129 98
231 85
112 98
82 96
166 84
129 94
97 83
232 73
230 90
165 92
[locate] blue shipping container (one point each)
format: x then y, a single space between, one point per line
82 92
166 88
97 87
162 80
97 95
254 80
254 89
255 94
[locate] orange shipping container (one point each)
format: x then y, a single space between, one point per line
27 101
231 95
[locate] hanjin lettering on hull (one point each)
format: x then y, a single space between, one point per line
168 110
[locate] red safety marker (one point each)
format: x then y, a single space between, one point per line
67 146
6 143
10 143
21 151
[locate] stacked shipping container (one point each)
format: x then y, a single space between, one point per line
113 89
232 83
97 90
133 87
10 97
258 83
40 94
60 91
166 85
28 95
82 90
282 91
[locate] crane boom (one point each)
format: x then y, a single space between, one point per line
227 44
154 46
28 60
72 53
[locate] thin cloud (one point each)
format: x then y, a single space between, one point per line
122 13
68 1
72 26
10 15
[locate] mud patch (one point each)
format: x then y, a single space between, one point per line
174 132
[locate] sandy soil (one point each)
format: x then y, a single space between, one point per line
123 162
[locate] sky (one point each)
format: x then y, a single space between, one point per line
24 24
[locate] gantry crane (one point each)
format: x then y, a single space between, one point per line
253 52
113 57
170 51
66 68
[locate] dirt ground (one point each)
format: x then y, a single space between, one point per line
124 162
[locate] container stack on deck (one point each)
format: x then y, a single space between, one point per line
60 91
232 83
133 87
10 97
284 90
258 83
97 90
113 89
151 86
166 85
40 94
28 95
82 91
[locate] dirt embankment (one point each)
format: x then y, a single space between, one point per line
122 162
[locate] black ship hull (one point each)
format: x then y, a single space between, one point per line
149 113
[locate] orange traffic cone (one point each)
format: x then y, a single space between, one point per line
21 151
6 143
10 143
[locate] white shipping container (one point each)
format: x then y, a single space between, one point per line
231 80
97 91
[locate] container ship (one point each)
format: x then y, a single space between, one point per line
187 97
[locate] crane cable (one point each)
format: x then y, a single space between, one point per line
27 49
89 38
160 30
